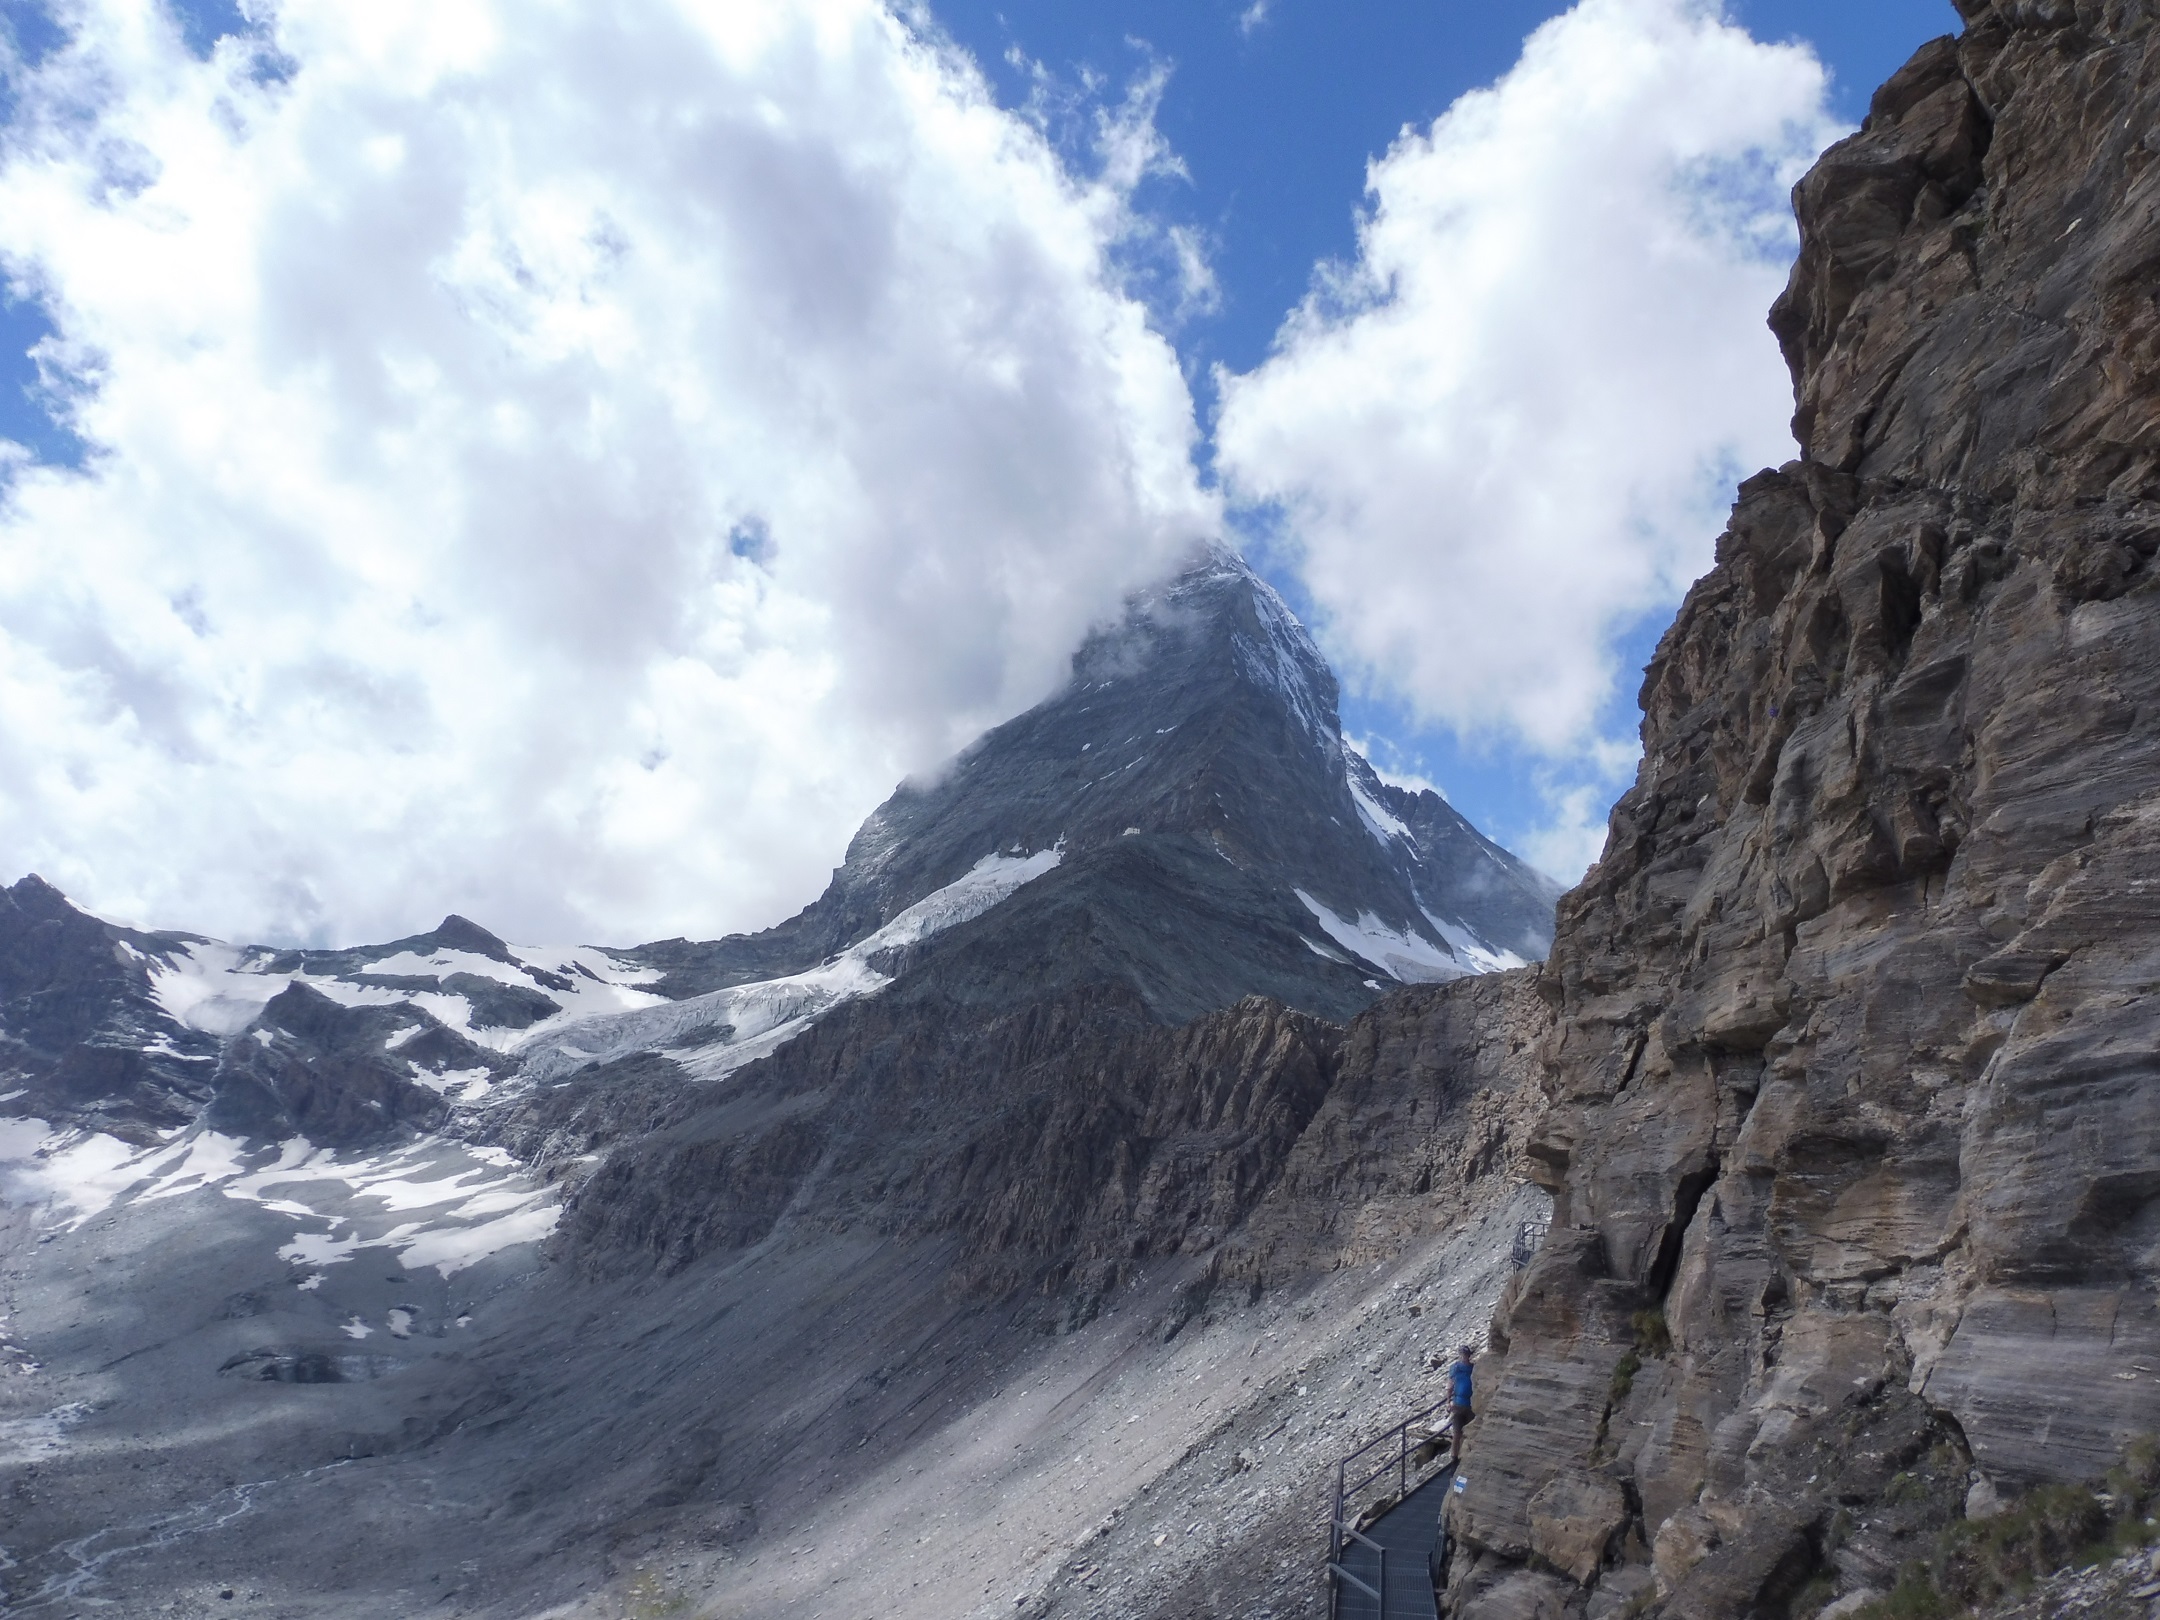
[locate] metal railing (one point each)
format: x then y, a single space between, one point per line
1528 1237
1377 1593
1341 1528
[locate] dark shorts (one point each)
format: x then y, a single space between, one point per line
1462 1416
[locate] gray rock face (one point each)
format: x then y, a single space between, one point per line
310 1067
80 1034
1854 1087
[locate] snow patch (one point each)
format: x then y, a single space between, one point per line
459 1085
318 1249
473 1202
1406 957
451 1249
717 1033
1483 958
1380 821
75 1173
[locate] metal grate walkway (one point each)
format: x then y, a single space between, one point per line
1394 1557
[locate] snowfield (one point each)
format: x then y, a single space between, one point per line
1411 958
717 1033
435 1202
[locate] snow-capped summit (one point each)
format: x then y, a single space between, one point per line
1197 736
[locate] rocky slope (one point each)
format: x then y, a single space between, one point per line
1855 1104
807 1414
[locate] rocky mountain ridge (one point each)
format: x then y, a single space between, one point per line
1854 1096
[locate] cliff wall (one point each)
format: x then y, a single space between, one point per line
1854 1090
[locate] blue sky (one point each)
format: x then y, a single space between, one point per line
429 363
1275 120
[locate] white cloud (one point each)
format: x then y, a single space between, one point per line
1510 429
1253 17
1573 835
557 463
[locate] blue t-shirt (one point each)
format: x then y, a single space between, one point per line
1459 1382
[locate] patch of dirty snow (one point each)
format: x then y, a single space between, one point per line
215 988
32 1439
472 1202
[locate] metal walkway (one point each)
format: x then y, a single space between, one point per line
1384 1572
1385 1525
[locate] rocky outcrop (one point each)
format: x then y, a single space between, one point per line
1433 1099
1068 1142
81 1037
1854 1122
342 1077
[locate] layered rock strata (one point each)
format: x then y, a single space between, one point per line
1854 1121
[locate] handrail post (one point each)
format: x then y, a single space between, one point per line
1342 1474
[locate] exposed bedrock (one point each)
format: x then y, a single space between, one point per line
1854 1089
1063 1143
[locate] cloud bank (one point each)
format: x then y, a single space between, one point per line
1510 428
562 463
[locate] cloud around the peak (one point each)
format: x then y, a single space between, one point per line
1508 431
557 464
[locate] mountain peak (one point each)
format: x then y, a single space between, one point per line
1200 732
1215 609
457 933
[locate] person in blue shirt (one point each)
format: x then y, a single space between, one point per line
1459 1394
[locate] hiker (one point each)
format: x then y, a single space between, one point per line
1459 1393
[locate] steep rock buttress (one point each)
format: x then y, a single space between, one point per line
1854 1120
